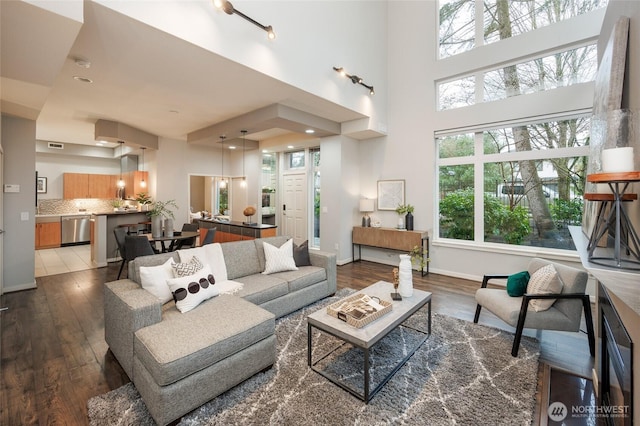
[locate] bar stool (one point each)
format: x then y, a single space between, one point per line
616 221
132 228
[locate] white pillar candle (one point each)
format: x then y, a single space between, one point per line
617 160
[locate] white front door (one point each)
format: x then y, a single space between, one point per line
294 209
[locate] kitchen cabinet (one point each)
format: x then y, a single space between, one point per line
133 183
75 185
85 185
48 235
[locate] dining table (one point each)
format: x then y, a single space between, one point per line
173 239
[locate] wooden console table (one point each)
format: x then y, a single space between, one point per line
391 239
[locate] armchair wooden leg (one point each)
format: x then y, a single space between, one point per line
477 316
589 320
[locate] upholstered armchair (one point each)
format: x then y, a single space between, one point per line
563 315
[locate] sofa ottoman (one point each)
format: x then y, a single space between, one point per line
186 360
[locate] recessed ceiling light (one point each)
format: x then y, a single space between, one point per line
232 147
82 79
264 151
290 147
309 131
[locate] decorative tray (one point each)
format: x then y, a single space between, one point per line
359 310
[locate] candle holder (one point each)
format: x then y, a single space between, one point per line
396 281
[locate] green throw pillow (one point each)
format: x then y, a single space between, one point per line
517 284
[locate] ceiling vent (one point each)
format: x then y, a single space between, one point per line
55 145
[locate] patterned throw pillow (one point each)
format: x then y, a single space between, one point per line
279 259
190 291
188 268
544 281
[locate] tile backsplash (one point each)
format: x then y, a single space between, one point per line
90 205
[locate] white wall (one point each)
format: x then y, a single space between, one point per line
53 166
18 141
312 38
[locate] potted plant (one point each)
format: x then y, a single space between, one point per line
117 204
407 222
157 211
419 257
144 200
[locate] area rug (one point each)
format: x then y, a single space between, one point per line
463 374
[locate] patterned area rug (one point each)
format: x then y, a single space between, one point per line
463 374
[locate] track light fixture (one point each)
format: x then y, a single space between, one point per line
230 10
354 79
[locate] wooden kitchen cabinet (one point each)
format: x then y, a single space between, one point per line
85 185
102 186
75 185
133 183
48 235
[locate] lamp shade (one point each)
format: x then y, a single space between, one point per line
366 205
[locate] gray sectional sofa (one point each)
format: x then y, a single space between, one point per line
178 361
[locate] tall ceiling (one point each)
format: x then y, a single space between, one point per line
142 77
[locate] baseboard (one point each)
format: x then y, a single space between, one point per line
20 287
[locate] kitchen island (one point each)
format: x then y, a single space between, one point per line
235 230
104 248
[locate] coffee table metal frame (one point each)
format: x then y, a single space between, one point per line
368 336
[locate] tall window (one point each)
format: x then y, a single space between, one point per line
315 161
520 181
458 27
530 181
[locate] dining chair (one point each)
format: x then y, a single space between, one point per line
190 242
208 239
120 233
135 246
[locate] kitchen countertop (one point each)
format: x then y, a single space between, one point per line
240 224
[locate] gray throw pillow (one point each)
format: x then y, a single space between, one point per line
301 254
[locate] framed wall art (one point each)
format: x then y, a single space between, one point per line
41 185
390 194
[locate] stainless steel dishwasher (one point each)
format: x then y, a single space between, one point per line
75 229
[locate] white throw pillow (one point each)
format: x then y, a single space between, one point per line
190 291
154 280
279 259
210 254
544 281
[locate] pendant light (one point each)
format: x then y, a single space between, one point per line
223 183
121 181
244 177
143 183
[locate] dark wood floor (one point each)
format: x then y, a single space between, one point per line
54 357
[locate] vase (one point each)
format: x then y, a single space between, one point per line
408 221
405 276
168 227
400 222
156 226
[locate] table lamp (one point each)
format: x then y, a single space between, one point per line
366 207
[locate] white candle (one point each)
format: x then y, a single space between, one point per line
617 160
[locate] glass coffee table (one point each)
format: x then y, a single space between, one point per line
367 337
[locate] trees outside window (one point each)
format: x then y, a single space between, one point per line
524 180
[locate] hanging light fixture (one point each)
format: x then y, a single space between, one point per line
121 181
143 183
223 183
244 177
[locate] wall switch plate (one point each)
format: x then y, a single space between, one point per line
24 216
11 188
